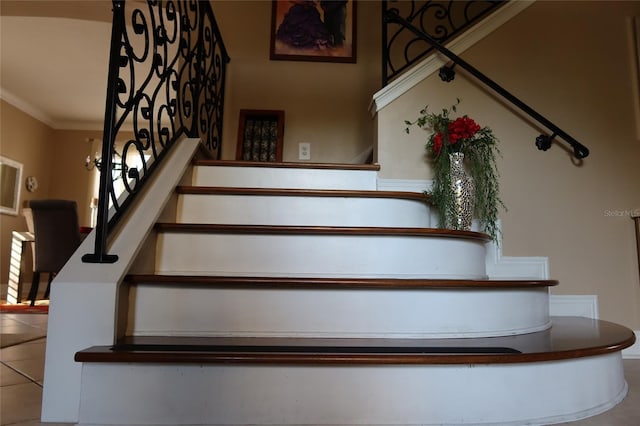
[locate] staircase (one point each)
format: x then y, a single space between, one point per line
302 294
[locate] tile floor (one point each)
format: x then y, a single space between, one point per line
21 368
22 372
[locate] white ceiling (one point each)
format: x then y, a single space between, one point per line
55 68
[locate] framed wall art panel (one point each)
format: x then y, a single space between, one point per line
313 30
260 135
10 185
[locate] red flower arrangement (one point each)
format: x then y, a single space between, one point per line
479 146
461 129
454 134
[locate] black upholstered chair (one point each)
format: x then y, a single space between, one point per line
54 224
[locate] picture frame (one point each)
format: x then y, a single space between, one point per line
635 215
635 30
313 30
260 135
10 185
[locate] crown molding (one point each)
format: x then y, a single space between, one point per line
46 119
26 107
433 62
43 117
79 125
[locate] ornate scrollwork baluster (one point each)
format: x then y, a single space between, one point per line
166 79
442 20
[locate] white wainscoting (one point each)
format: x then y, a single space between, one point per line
633 352
529 267
574 306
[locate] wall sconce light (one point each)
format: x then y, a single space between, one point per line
95 162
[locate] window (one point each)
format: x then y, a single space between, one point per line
260 135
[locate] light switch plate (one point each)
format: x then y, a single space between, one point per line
304 151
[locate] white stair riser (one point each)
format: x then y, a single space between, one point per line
433 313
494 394
310 211
263 177
320 255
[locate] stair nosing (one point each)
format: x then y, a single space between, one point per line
610 338
318 230
351 359
338 193
332 283
287 165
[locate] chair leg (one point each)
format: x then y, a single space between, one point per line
51 277
35 283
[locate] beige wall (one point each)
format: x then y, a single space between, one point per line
54 157
325 104
571 61
70 179
25 140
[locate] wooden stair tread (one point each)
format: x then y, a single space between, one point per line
330 283
286 165
318 230
218 190
568 338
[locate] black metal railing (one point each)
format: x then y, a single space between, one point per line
447 73
442 20
166 80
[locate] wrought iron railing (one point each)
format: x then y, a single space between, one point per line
166 80
447 73
442 20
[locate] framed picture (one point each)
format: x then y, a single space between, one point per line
636 75
636 218
313 30
260 135
10 185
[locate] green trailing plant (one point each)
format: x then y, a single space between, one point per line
480 148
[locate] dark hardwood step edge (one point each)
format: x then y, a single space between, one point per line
331 283
318 230
217 190
286 165
604 338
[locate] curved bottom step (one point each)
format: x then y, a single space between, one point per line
221 394
572 372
